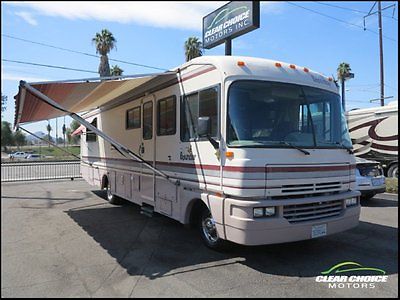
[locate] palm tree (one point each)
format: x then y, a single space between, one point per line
193 48
116 71
64 130
49 129
105 42
343 72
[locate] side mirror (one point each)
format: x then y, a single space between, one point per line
203 126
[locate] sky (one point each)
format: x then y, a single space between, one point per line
318 35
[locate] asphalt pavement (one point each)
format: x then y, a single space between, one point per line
62 239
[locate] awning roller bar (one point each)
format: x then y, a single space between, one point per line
121 148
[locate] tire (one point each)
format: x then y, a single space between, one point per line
208 232
111 198
393 171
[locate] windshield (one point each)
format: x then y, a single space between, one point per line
264 114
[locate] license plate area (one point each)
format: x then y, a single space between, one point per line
318 230
377 181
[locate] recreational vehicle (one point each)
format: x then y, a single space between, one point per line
374 133
249 150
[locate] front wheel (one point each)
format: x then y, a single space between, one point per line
208 231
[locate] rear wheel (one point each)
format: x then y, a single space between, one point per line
111 198
208 231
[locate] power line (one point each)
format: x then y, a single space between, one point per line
339 20
350 9
79 52
47 66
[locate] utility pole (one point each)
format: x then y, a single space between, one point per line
381 54
382 77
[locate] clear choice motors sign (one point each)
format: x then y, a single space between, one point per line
230 21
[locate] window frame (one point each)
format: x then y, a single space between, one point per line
183 113
127 118
173 97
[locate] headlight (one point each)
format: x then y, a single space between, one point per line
351 202
258 212
269 211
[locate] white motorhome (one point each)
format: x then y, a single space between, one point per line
251 150
374 133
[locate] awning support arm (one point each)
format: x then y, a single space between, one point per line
121 148
54 145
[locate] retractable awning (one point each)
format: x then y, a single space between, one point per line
77 96
41 101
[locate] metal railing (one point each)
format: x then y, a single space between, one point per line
39 170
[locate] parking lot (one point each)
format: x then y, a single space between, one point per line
62 239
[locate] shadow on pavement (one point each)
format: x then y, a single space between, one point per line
373 202
159 246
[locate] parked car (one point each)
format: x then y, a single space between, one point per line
33 157
370 179
19 154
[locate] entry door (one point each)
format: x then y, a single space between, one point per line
147 151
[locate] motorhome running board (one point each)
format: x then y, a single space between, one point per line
147 210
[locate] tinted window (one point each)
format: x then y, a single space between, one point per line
133 118
201 104
148 121
166 116
90 135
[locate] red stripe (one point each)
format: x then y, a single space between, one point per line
308 169
241 169
190 76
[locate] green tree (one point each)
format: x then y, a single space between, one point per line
116 71
104 42
72 127
192 48
19 138
7 138
343 73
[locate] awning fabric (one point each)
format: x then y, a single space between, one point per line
83 95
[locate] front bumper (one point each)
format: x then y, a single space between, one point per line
241 228
371 190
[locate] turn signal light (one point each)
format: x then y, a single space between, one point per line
292 66
279 65
241 63
229 154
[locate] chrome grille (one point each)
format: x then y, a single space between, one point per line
312 211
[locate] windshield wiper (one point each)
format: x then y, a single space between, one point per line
295 147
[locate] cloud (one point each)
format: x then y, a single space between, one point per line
28 18
162 14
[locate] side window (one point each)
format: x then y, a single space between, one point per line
133 118
166 116
148 121
200 104
90 135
